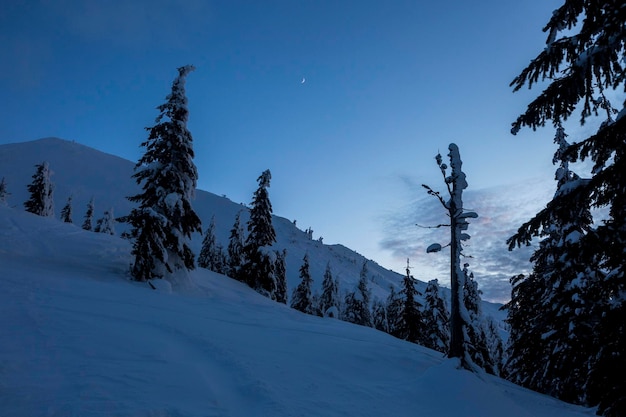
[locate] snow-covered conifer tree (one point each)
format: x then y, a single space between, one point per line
3 192
280 274
88 223
409 324
393 309
301 298
436 319
379 316
211 254
329 300
583 62
235 250
106 224
66 211
551 310
357 304
164 221
258 267
476 342
455 182
41 192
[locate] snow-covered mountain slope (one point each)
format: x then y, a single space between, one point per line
83 173
79 339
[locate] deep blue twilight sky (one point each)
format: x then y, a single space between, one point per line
386 86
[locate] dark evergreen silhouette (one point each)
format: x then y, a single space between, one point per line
88 223
163 222
583 59
357 304
280 274
301 299
66 211
329 302
455 183
379 316
4 193
393 309
106 224
551 309
477 342
409 323
258 268
211 253
436 319
235 250
41 192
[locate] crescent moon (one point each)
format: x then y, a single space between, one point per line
303 80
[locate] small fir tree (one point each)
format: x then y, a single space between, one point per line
88 223
280 273
357 304
211 254
436 319
476 343
66 211
235 250
164 221
106 224
41 192
409 324
394 307
379 316
301 298
329 300
258 267
3 192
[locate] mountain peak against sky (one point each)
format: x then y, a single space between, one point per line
83 173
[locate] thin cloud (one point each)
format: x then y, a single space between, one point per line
501 211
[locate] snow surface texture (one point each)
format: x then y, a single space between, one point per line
80 339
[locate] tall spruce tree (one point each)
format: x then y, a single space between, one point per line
455 183
561 318
582 59
258 267
235 253
301 299
88 223
357 304
164 221
329 300
41 191
436 319
66 211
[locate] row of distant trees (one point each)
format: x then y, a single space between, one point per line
41 202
